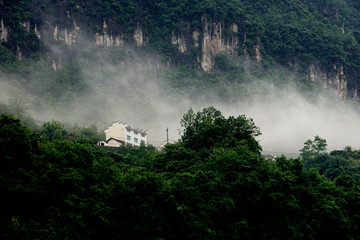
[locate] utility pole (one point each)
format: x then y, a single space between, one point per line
167 135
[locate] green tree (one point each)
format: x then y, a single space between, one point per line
175 158
17 147
313 147
53 130
209 128
313 155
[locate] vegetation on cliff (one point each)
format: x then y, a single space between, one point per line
288 32
295 34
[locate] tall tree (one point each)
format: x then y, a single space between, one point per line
209 128
17 144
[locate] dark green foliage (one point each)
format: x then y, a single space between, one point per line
175 159
89 135
351 159
62 189
16 15
331 165
6 57
53 130
312 148
17 148
209 128
224 63
66 190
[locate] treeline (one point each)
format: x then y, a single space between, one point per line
212 184
314 156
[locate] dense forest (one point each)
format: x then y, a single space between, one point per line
212 184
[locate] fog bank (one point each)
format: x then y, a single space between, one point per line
135 92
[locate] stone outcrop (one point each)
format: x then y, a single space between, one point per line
245 52
180 41
258 56
26 25
18 53
37 33
4 31
195 37
342 28
215 41
340 82
56 63
335 80
69 36
108 40
353 93
139 36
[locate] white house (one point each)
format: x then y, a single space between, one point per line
120 133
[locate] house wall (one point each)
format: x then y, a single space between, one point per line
117 130
133 134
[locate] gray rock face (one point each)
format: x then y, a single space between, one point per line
72 27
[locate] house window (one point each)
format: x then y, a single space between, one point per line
128 137
136 140
128 130
143 135
135 132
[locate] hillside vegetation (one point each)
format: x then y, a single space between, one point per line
294 34
212 184
289 31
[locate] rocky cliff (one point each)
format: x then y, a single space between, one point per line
335 81
71 27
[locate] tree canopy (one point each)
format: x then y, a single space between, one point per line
209 128
65 189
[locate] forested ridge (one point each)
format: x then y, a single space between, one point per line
289 31
294 34
212 184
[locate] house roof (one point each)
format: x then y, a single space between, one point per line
128 126
137 129
113 139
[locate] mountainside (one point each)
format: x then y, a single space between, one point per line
291 66
318 39
280 71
